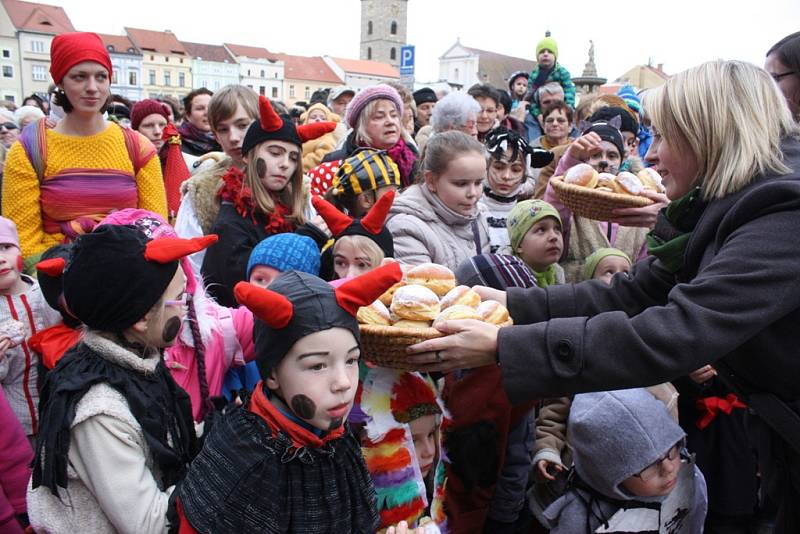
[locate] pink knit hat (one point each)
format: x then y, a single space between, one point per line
8 232
367 95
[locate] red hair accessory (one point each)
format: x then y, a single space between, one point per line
53 267
175 170
336 220
269 120
307 132
271 307
365 289
167 249
373 221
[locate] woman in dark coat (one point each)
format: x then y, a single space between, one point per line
720 285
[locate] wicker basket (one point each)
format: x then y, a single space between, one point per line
594 204
386 345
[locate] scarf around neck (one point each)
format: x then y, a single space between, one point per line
448 216
674 225
196 141
547 277
405 158
234 191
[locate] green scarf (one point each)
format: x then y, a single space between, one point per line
546 277
674 226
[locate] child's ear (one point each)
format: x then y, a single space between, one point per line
430 180
272 381
140 326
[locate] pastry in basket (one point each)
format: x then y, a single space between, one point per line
437 278
629 183
13 330
386 298
407 323
651 179
415 302
495 313
459 311
582 174
375 313
461 295
605 182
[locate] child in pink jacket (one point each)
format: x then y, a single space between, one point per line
15 459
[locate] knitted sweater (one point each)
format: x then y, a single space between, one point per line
561 75
105 150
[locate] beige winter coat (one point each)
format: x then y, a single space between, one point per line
425 230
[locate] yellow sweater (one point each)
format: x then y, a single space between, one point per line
106 150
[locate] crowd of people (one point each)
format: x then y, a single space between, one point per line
179 342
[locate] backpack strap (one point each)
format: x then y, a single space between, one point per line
34 140
138 152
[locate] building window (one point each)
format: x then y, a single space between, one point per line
307 92
114 75
274 92
10 98
248 73
133 77
276 75
181 60
152 58
393 28
455 74
291 91
216 85
393 53
39 73
369 28
262 74
262 90
6 53
8 71
182 79
167 78
37 46
166 59
152 77
369 52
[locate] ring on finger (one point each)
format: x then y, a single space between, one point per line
438 355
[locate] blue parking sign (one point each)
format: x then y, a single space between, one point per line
407 60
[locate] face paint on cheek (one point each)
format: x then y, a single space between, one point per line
20 263
261 168
303 406
170 331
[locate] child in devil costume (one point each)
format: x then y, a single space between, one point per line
360 245
285 461
116 431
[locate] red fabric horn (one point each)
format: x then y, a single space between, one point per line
175 170
373 221
271 307
335 219
307 132
167 249
53 267
269 120
365 289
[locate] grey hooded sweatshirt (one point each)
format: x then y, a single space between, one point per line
614 435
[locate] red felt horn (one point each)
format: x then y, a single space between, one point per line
335 219
307 132
269 120
53 267
365 289
271 307
373 221
167 249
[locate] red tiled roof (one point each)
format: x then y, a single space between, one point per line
308 68
154 41
365 66
255 52
494 68
208 52
120 43
38 17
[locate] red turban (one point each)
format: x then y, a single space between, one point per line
69 49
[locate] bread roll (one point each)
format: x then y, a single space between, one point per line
629 183
461 295
606 182
651 179
582 174
386 298
375 313
495 313
437 278
405 323
457 311
415 302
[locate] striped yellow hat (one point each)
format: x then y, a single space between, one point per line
366 170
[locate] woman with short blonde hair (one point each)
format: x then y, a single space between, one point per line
719 287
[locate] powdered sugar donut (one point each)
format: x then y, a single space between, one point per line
629 183
13 330
415 302
495 313
461 295
582 174
375 313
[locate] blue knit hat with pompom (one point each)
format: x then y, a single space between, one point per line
286 252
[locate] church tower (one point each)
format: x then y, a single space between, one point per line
383 29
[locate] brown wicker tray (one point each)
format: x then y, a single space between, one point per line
594 204
386 345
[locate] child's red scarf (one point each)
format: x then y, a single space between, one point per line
234 191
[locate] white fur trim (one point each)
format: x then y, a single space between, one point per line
121 356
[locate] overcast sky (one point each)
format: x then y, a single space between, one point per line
677 33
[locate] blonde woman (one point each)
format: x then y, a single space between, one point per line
267 198
720 285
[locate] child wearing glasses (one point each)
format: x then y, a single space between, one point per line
632 472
